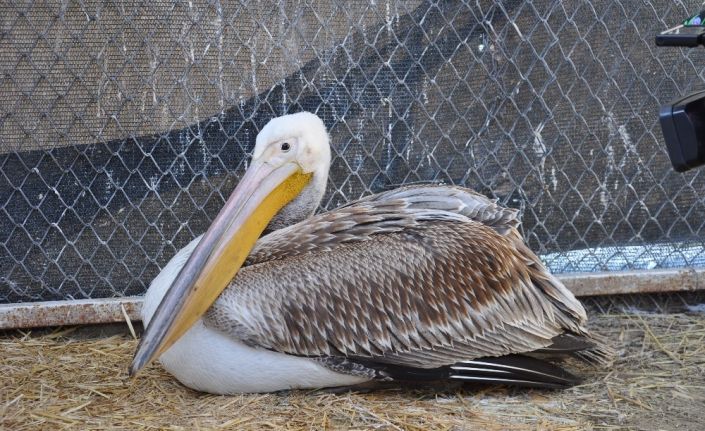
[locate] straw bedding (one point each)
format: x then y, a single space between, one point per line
74 378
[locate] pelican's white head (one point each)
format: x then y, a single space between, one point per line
300 138
283 185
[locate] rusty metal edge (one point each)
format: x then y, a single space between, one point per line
625 282
93 311
76 312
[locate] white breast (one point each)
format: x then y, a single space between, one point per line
208 360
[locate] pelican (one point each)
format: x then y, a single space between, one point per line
418 284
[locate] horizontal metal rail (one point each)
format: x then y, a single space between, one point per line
76 312
112 310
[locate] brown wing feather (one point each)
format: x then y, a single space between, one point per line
392 279
386 212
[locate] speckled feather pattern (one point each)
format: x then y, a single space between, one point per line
418 276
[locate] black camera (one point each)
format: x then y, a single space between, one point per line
683 126
683 121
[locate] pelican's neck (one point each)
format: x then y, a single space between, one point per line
303 206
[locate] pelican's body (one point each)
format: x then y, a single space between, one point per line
416 284
208 360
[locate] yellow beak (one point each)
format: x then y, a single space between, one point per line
263 191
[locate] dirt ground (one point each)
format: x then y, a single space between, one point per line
66 379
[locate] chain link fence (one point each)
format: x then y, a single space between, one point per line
124 126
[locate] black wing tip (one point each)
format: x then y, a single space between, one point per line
514 370
532 384
509 370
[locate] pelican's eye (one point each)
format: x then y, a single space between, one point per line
285 147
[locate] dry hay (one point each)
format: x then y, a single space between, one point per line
65 379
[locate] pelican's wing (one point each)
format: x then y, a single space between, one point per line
385 212
398 280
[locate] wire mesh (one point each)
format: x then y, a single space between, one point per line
123 127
